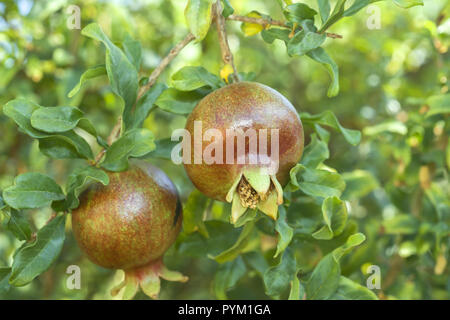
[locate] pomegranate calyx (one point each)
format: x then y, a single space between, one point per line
147 278
255 189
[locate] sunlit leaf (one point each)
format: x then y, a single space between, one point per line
323 58
134 143
328 118
334 213
77 181
121 72
198 17
191 78
90 73
32 190
251 29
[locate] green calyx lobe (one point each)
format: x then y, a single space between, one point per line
255 188
147 278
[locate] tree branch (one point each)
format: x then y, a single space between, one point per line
227 55
164 63
270 22
115 132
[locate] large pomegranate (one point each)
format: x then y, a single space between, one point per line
129 224
243 106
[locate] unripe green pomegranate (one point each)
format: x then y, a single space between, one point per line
129 224
244 106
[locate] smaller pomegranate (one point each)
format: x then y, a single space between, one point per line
271 134
129 224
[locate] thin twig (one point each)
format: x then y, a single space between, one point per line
115 132
227 55
164 63
271 22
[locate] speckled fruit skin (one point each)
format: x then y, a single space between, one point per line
244 105
130 222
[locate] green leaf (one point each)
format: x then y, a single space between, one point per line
32 190
387 126
358 184
77 181
357 6
63 145
350 290
256 261
408 3
323 58
35 258
163 149
67 145
285 232
178 102
324 280
272 34
328 118
5 273
439 104
198 17
316 183
234 251
336 15
222 235
334 213
438 196
56 119
190 78
121 72
193 213
447 156
227 8
315 153
2 203
305 40
90 73
277 278
133 51
145 104
297 290
134 143
227 276
401 224
20 110
324 9
298 12
352 241
18 225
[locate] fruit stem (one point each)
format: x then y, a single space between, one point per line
227 55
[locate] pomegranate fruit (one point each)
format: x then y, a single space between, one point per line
240 107
129 224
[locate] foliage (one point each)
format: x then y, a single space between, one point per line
371 189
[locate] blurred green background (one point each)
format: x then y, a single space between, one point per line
386 76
